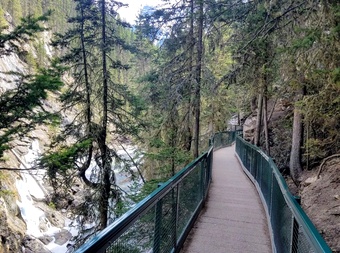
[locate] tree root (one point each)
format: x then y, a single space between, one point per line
323 163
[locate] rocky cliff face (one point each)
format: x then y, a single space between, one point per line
13 226
280 114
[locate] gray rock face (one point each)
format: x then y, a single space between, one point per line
32 245
249 127
46 239
279 120
12 227
62 237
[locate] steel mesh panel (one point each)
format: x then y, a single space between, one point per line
303 244
227 138
281 220
254 166
206 174
223 139
190 195
167 222
138 238
289 236
258 165
266 183
248 157
259 169
217 140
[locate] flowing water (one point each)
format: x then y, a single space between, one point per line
30 188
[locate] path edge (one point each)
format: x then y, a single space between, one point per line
264 204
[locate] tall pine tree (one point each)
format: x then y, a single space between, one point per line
101 109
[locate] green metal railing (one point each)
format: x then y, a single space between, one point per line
292 230
162 221
221 139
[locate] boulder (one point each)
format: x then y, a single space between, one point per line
62 237
34 245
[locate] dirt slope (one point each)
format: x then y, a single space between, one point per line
321 201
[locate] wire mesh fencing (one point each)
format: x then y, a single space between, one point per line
291 229
223 139
161 222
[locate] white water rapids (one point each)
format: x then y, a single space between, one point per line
30 189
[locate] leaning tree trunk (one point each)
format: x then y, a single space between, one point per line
89 130
258 119
265 122
295 153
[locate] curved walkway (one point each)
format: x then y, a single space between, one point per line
233 219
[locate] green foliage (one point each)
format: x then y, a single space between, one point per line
314 149
17 11
321 110
19 106
2 176
29 27
35 8
3 21
335 9
336 76
285 47
64 159
148 188
31 61
308 39
52 205
22 108
164 153
6 193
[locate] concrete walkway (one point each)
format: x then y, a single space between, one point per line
233 220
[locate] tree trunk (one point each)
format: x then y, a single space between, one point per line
265 123
188 121
105 156
258 119
89 131
295 154
197 103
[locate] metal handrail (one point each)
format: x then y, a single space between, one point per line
118 227
153 203
302 235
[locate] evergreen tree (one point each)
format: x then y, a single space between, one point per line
181 82
102 109
277 49
180 70
22 107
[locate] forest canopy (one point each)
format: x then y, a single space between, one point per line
169 82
